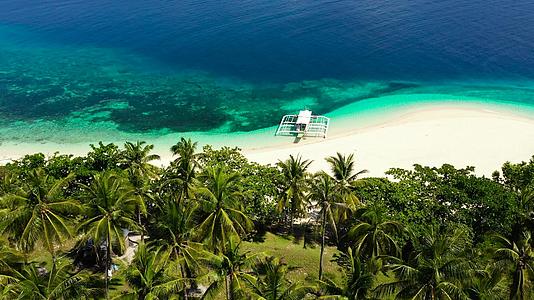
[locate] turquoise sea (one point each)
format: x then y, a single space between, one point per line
76 71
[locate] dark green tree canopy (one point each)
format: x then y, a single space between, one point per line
113 224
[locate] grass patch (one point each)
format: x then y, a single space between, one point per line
295 255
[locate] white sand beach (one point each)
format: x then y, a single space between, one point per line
460 134
457 135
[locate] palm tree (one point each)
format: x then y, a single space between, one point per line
11 262
293 194
185 167
231 271
525 199
431 267
143 190
137 157
112 204
323 195
185 150
153 274
59 283
174 231
488 284
39 212
220 201
9 183
521 254
345 175
373 235
271 283
357 280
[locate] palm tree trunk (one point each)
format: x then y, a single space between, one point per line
176 255
140 224
292 214
108 260
185 284
49 245
228 294
521 284
322 244
52 252
286 217
291 218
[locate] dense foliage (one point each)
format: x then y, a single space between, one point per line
112 224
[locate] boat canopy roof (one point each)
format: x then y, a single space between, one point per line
303 124
304 117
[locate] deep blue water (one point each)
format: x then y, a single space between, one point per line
153 67
292 40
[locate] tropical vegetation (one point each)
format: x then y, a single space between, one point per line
117 224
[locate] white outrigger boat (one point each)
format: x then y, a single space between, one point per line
304 124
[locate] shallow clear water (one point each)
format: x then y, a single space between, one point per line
76 71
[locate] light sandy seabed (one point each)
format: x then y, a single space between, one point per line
463 135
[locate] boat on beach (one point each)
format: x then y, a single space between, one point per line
303 125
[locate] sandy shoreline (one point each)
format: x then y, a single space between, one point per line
476 135
462 136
